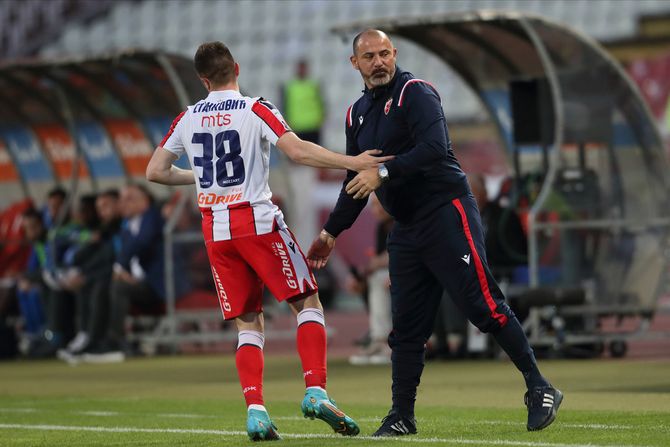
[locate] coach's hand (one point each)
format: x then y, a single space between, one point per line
368 160
319 251
364 183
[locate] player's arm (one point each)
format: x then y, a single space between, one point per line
344 214
161 170
310 154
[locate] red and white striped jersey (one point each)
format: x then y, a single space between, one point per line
227 139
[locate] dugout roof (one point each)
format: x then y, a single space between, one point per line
98 117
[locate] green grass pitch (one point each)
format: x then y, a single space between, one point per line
196 401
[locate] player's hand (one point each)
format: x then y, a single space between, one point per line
364 183
319 251
368 160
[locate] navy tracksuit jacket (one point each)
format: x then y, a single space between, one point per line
437 242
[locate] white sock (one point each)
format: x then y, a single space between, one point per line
317 388
257 407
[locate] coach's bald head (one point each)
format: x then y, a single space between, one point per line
374 57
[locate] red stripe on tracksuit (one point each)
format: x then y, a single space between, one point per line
479 267
269 118
174 124
242 222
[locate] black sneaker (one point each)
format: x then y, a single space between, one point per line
396 425
542 403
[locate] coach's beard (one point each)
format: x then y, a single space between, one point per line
380 78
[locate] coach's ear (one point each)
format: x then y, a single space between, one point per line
354 62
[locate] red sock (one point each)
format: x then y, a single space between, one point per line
311 338
249 362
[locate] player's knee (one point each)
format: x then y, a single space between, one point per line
251 321
299 303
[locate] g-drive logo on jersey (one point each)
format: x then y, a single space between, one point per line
220 291
215 199
279 250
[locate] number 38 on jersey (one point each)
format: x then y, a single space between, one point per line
228 169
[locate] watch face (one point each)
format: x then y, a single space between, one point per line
383 172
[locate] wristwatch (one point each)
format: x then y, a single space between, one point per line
383 173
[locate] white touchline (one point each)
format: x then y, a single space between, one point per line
563 424
520 424
298 418
197 431
99 413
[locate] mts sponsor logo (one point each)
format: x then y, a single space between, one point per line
280 251
216 120
215 199
221 292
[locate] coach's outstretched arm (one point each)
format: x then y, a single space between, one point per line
160 169
310 154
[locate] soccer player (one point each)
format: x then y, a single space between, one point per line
437 241
227 138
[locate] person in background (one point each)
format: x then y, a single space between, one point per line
138 278
53 208
375 277
41 286
304 110
90 277
303 104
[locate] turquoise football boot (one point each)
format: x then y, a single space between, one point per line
316 404
260 427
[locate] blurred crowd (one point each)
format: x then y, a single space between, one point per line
91 263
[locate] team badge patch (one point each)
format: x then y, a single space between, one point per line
387 106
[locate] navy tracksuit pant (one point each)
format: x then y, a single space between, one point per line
443 252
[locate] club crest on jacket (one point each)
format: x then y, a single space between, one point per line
387 106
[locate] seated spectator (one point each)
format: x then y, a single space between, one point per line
40 288
51 213
138 278
90 274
